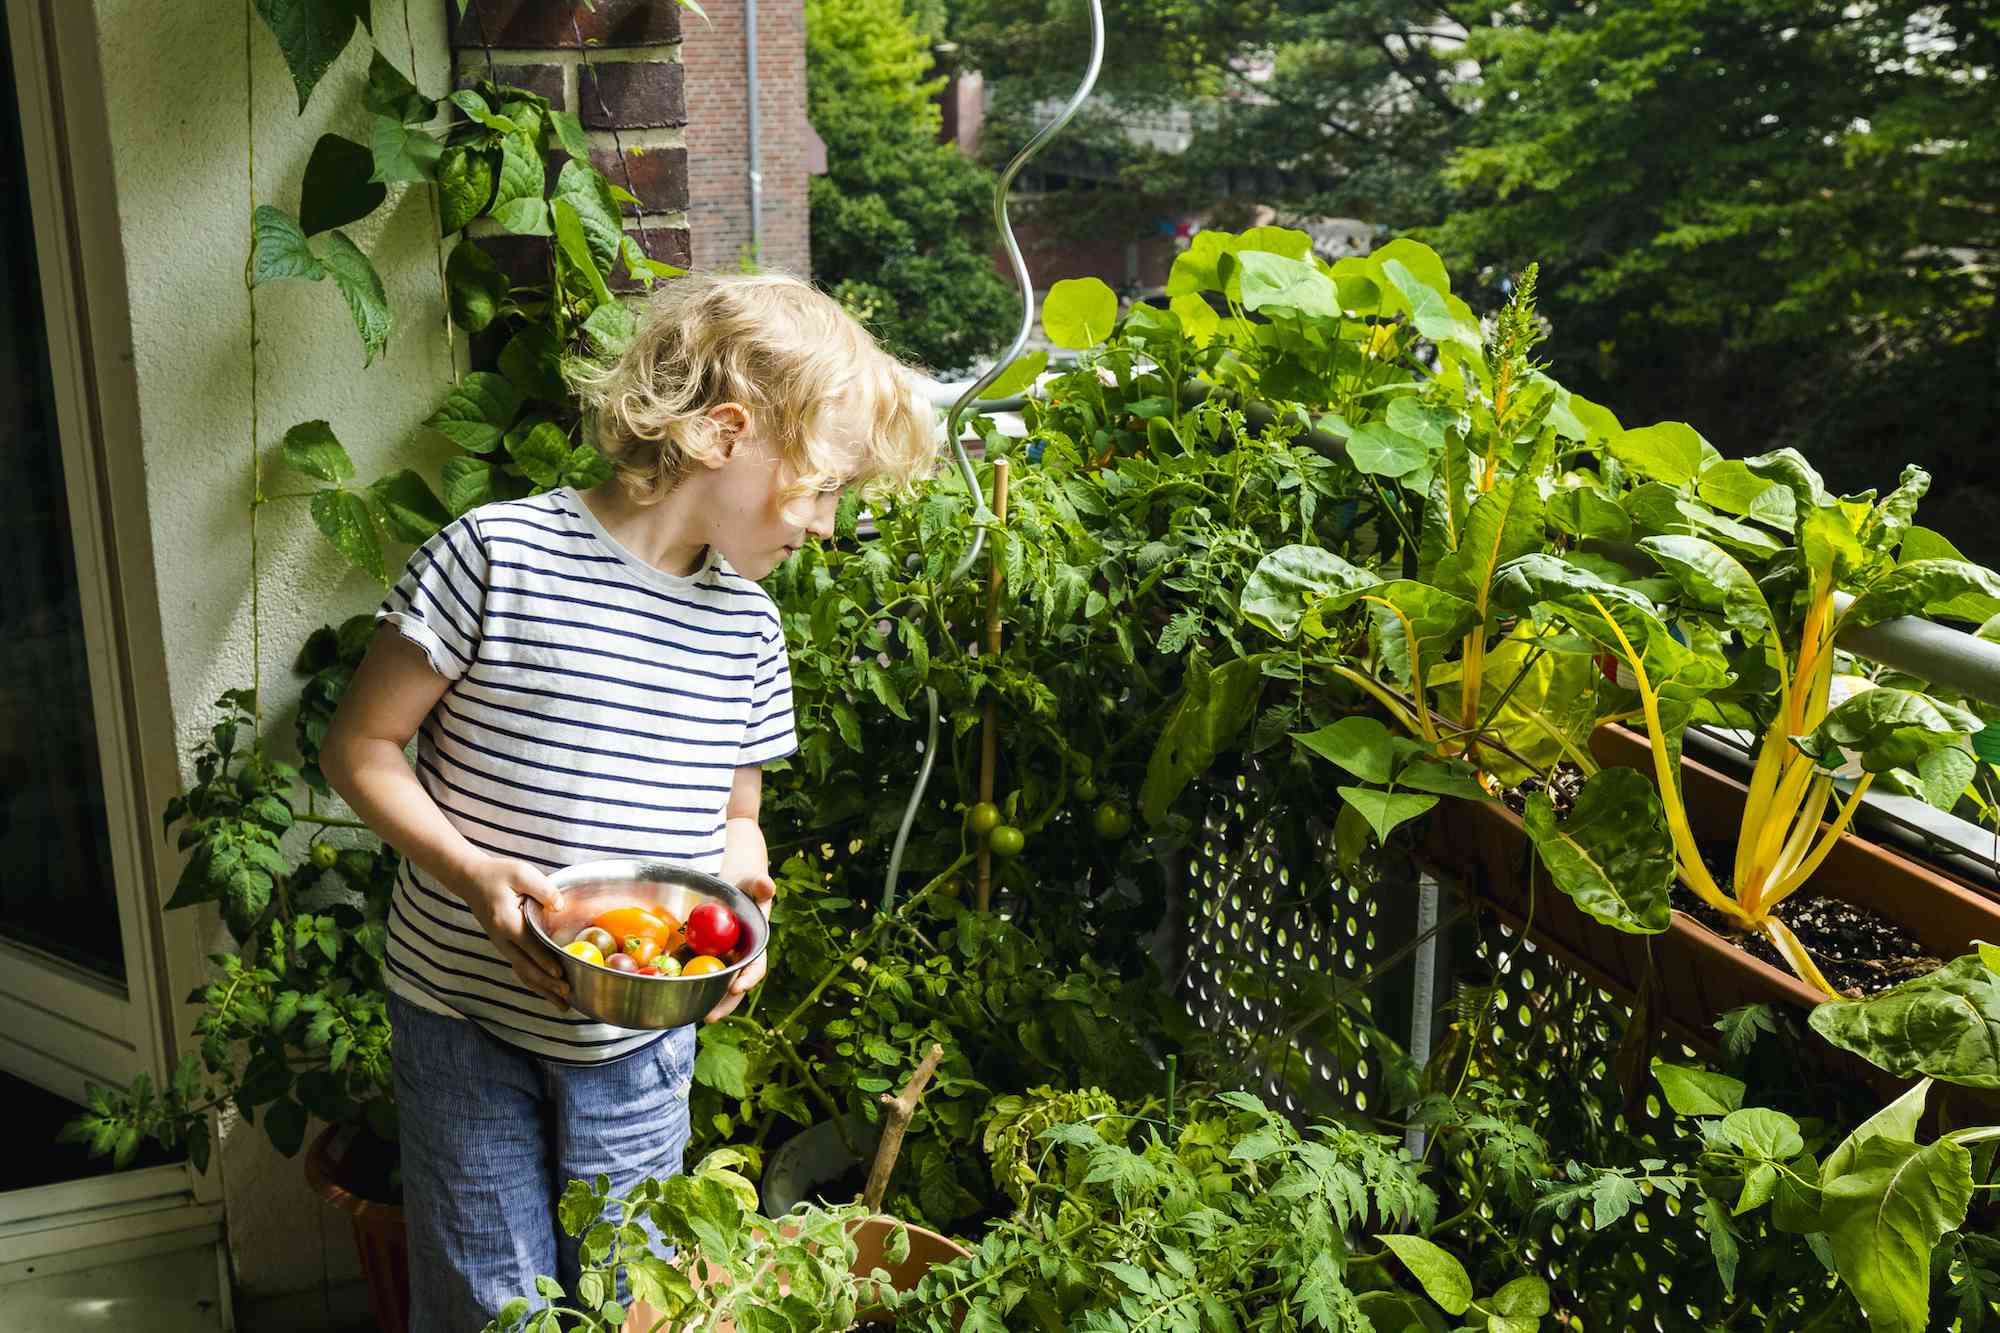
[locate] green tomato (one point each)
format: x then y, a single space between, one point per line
1111 822
1006 841
983 818
1085 789
325 855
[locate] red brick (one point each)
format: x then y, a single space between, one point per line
659 176
631 94
669 245
557 23
546 80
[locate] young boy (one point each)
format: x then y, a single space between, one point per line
594 674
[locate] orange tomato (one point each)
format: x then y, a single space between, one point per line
695 967
641 949
662 927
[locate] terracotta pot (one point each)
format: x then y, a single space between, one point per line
379 1237
871 1239
1700 974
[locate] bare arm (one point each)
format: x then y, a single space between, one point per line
392 692
746 864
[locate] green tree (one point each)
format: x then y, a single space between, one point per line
900 223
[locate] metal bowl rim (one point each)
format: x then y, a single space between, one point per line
634 868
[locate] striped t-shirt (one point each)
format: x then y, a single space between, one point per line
598 707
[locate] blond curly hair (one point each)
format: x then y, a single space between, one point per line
784 350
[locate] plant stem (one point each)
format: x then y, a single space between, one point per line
867 939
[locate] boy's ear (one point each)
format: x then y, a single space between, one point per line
732 419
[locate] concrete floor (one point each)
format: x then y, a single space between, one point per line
176 1292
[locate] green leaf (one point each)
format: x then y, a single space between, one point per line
476 411
1384 810
480 112
1584 512
1430 309
1399 1312
1417 259
1944 774
466 181
409 509
570 239
1443 1278
285 1123
337 189
1733 488
1927 588
1358 744
532 360
1269 280
540 448
1715 581
1214 706
584 188
611 328
569 133
279 248
389 93
1517 1307
343 516
1376 449
1898 1120
403 152
1446 777
518 205
1021 373
1885 1214
1789 468
1761 1132
1945 1025
1289 580
359 283
1670 452
468 484
1613 853
1079 312
1888 728
1693 1091
312 34
310 447
1504 523
478 287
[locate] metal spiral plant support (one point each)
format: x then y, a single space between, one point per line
982 513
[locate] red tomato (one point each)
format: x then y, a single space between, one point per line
712 929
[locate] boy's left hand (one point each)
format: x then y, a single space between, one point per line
762 890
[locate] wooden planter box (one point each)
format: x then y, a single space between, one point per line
1700 974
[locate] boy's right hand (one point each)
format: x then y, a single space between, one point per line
493 889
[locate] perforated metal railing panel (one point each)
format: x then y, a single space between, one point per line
1270 928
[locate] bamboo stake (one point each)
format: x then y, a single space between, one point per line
901 1107
989 733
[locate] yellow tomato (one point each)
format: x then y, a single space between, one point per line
695 967
587 951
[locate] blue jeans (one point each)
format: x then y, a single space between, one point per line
490 1138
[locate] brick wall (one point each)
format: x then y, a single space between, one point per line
618 67
718 134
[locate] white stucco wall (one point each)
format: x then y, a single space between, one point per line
179 109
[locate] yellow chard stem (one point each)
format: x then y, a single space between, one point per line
1767 827
1763 782
1791 883
1471 680
1800 838
1794 953
1383 697
1688 852
1416 668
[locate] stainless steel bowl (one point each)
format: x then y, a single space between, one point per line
624 999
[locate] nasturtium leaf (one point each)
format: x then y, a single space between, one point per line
1198 318
1927 588
1287 241
312 34
1422 421
403 152
1885 1214
1269 280
478 288
1376 449
1079 312
279 248
337 188
1291 578
1384 810
1430 310
389 93
465 177
407 506
1691 1090
476 411
310 447
1018 376
1358 744
1944 1025
1613 854
1442 1277
358 282
1888 728
1418 259
1669 452
1714 580
344 518
468 484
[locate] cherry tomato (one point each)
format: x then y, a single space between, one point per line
601 940
585 950
667 965
701 967
983 818
653 923
1111 822
641 949
1085 789
712 929
324 855
1006 841
621 962
650 971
